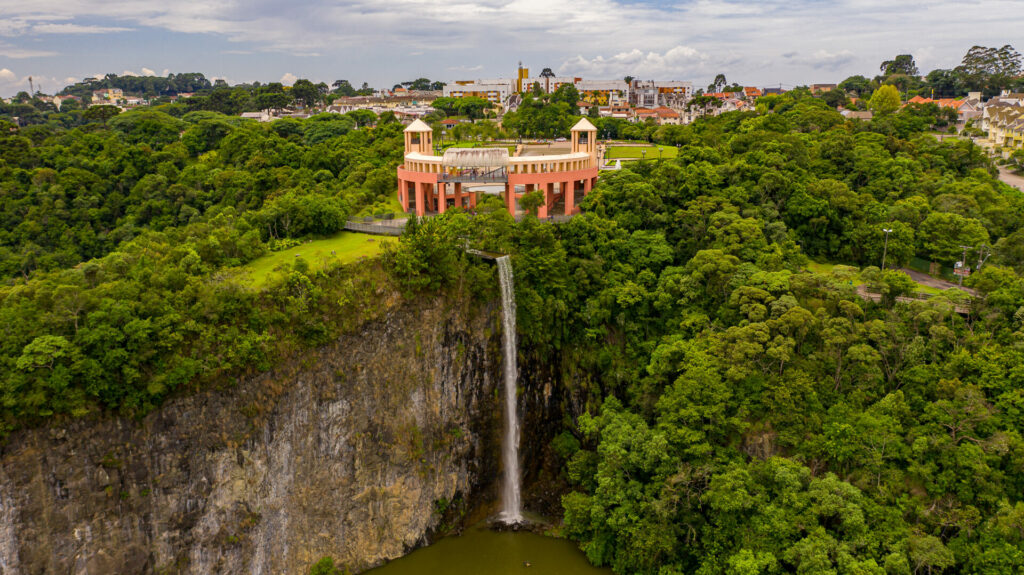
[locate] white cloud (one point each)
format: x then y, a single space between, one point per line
11 83
822 59
687 39
288 79
148 72
677 62
76 29
18 53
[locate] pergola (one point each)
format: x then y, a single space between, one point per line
471 165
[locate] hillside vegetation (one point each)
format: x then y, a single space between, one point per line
728 411
745 416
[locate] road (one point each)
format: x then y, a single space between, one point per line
927 280
1010 178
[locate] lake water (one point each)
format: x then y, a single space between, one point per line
479 550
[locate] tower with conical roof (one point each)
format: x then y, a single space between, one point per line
419 137
584 139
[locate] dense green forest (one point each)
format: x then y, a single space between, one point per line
744 415
119 241
748 416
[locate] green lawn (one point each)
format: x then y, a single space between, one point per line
347 247
634 152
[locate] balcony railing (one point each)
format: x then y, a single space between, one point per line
498 176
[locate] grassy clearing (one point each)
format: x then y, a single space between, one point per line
346 247
635 152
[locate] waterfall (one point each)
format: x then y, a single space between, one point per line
511 511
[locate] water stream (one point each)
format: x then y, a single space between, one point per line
511 506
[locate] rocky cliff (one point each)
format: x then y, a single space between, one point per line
353 451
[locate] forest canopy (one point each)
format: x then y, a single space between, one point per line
740 405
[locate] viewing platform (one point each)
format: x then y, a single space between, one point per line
428 183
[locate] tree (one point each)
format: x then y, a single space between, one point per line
902 64
858 85
547 73
305 93
942 235
945 83
885 100
101 113
566 93
344 88
834 98
990 69
719 83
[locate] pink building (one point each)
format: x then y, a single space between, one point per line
428 183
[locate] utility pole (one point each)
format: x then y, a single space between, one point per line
885 249
963 263
982 257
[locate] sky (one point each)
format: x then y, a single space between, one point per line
762 43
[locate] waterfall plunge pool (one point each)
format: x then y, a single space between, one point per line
482 550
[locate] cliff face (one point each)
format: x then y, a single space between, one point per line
353 452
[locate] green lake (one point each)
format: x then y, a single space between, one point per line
479 550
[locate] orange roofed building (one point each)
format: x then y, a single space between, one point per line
429 184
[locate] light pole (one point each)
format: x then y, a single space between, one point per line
885 249
643 155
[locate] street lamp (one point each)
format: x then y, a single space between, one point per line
643 155
885 249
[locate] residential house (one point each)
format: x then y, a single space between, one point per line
966 108
643 114
668 116
584 107
1005 125
822 88
751 93
616 111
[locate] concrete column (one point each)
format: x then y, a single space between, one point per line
442 201
458 195
549 194
421 201
510 198
570 198
401 195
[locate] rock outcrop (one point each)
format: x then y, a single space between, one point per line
353 451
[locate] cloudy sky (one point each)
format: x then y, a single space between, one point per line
763 43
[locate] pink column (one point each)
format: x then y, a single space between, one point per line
549 192
510 198
458 195
401 195
442 202
472 199
421 201
570 198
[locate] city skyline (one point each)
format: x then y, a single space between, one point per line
763 44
